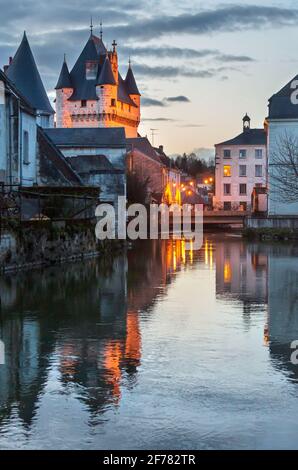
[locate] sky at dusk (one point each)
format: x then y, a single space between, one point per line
200 66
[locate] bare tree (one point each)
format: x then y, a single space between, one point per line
284 169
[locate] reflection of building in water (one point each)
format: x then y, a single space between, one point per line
241 272
82 323
283 306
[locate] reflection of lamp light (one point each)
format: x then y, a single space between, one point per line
191 183
183 189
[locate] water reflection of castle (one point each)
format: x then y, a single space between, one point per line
84 323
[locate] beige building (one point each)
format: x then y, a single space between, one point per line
240 166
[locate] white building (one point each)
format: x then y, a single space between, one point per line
17 136
282 125
241 165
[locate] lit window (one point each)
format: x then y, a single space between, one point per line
242 153
227 189
227 153
242 170
259 171
258 153
242 188
227 170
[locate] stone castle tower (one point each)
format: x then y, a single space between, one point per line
94 94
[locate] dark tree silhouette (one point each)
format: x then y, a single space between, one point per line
284 169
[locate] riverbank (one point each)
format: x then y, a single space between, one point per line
45 243
270 234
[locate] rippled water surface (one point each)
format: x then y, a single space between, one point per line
159 348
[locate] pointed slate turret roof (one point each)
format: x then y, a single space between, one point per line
130 83
24 74
64 80
85 89
280 104
106 76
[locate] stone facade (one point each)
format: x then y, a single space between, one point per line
106 103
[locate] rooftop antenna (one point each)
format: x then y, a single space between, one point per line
91 25
153 134
100 31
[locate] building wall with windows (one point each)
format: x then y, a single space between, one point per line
17 137
241 165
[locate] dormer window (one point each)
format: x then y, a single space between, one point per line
83 104
91 70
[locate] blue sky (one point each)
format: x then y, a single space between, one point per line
200 66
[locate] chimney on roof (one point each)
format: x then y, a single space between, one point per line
161 148
5 67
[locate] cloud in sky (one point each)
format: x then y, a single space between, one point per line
178 99
147 102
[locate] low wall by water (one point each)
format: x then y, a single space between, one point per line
50 243
276 222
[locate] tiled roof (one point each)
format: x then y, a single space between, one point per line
88 137
281 105
106 76
130 83
248 137
24 74
53 165
143 145
11 86
64 80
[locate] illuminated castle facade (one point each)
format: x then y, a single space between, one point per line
93 93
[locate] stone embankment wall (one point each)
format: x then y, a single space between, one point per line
47 244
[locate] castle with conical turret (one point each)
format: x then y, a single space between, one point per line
93 93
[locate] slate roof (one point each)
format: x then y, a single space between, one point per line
122 93
53 165
143 145
94 51
25 105
64 80
88 164
130 83
88 137
167 161
248 137
280 104
24 74
106 76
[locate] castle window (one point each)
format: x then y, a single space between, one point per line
83 104
113 102
91 70
129 108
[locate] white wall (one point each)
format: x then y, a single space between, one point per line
28 171
276 131
2 133
235 180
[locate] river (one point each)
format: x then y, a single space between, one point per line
160 348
